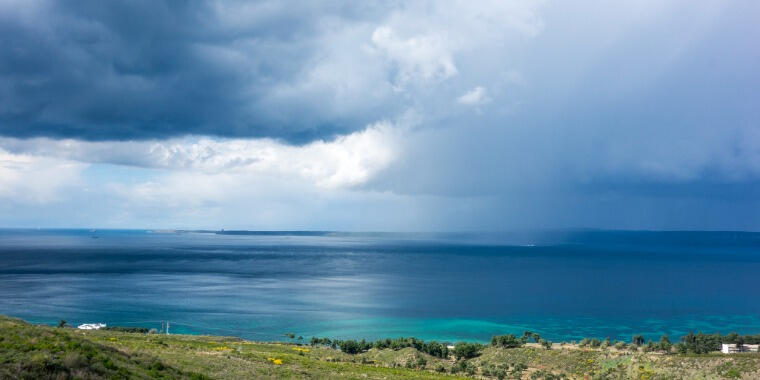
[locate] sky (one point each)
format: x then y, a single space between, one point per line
380 116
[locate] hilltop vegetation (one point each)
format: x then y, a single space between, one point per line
42 352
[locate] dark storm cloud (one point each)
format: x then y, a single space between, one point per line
152 69
487 114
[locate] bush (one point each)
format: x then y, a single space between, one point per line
141 330
546 344
464 350
349 346
431 348
320 341
506 341
701 343
665 343
637 340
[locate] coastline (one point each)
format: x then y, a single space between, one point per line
44 351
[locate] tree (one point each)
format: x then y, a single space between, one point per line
638 340
665 343
506 341
702 343
736 339
464 350
349 347
62 323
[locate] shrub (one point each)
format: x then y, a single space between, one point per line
665 343
464 350
506 341
702 343
349 347
141 330
547 344
431 348
320 341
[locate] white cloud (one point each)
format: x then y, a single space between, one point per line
632 96
421 58
34 179
476 96
346 161
203 182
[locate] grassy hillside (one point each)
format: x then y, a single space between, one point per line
34 352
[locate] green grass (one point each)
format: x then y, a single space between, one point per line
42 352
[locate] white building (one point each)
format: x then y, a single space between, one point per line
91 326
730 348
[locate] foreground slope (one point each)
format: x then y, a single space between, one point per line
33 351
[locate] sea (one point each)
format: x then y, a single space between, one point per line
563 284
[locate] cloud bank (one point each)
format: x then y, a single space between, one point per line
380 115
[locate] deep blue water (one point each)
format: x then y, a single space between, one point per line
562 284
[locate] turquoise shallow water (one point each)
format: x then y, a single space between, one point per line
563 284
